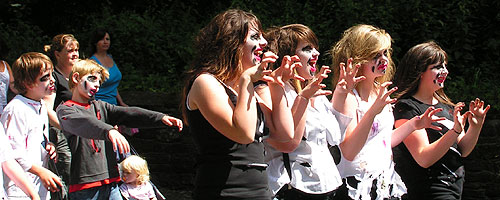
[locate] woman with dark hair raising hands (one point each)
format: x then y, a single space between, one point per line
430 160
225 115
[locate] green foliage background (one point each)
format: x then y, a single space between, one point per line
152 38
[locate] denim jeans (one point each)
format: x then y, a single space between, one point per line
104 192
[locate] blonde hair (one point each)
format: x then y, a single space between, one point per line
362 43
138 165
59 42
87 66
27 68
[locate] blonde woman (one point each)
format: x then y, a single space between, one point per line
366 165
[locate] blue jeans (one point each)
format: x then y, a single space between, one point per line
109 191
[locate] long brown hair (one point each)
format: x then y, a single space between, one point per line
413 64
362 42
284 40
218 48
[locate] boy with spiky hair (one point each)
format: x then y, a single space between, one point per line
26 124
88 125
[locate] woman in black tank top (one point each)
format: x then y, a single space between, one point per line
223 113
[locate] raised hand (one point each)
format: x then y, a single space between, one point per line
286 71
260 71
425 120
314 88
383 97
347 76
458 118
477 112
172 121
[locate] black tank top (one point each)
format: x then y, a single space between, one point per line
224 168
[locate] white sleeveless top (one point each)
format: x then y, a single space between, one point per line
374 161
4 87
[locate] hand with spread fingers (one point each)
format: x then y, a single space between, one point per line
477 112
383 97
347 76
425 120
315 87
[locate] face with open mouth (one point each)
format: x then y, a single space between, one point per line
436 73
89 84
253 48
380 62
308 58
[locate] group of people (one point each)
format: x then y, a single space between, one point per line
264 128
61 135
259 115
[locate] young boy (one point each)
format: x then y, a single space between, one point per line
88 125
26 124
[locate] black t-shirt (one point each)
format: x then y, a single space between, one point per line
413 174
63 93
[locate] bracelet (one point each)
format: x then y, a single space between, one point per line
458 133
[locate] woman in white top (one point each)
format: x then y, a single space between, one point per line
366 165
306 164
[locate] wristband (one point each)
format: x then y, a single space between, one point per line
458 133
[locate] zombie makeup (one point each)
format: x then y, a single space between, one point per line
440 73
253 48
380 62
90 84
308 57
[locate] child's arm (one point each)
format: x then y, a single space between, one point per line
49 180
12 169
172 121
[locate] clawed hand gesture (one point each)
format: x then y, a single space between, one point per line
425 120
286 71
315 87
383 97
347 76
477 112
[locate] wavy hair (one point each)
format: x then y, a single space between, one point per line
413 64
362 42
219 48
138 165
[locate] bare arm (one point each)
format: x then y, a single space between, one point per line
12 169
416 123
48 179
11 81
468 141
425 153
357 132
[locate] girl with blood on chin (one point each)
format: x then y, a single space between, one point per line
366 165
227 119
430 160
